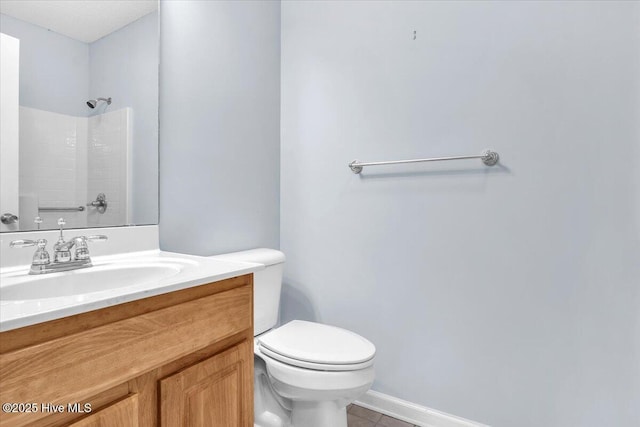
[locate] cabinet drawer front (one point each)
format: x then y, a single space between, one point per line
67 369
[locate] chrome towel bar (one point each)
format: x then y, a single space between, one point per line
52 209
488 157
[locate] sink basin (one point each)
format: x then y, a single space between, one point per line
98 278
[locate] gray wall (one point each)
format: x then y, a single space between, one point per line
509 295
54 69
220 125
124 66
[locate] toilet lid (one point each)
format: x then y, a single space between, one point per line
317 346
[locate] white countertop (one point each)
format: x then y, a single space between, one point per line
188 271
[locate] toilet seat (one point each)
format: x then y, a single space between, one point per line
296 383
316 346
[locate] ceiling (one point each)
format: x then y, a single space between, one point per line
83 20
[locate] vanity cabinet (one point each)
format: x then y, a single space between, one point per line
180 359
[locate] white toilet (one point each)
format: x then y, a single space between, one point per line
306 373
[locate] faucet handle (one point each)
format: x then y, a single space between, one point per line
41 257
23 243
82 250
41 243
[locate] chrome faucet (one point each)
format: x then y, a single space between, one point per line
62 259
62 249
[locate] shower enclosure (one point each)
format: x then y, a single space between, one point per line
66 162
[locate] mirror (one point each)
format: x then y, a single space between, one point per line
79 113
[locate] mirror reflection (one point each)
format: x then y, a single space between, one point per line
79 113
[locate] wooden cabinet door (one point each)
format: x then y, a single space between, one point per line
123 413
216 392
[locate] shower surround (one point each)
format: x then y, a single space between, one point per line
65 161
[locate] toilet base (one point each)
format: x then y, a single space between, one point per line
318 414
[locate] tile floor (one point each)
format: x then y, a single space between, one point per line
357 416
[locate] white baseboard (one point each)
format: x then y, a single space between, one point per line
410 412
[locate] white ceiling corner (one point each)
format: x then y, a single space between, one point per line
83 20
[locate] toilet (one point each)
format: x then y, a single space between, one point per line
306 373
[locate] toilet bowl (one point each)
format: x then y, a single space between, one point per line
306 373
318 369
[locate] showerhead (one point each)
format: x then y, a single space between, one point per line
93 102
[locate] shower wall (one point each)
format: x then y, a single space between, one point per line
65 161
109 167
53 152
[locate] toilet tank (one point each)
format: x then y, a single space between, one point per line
267 284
